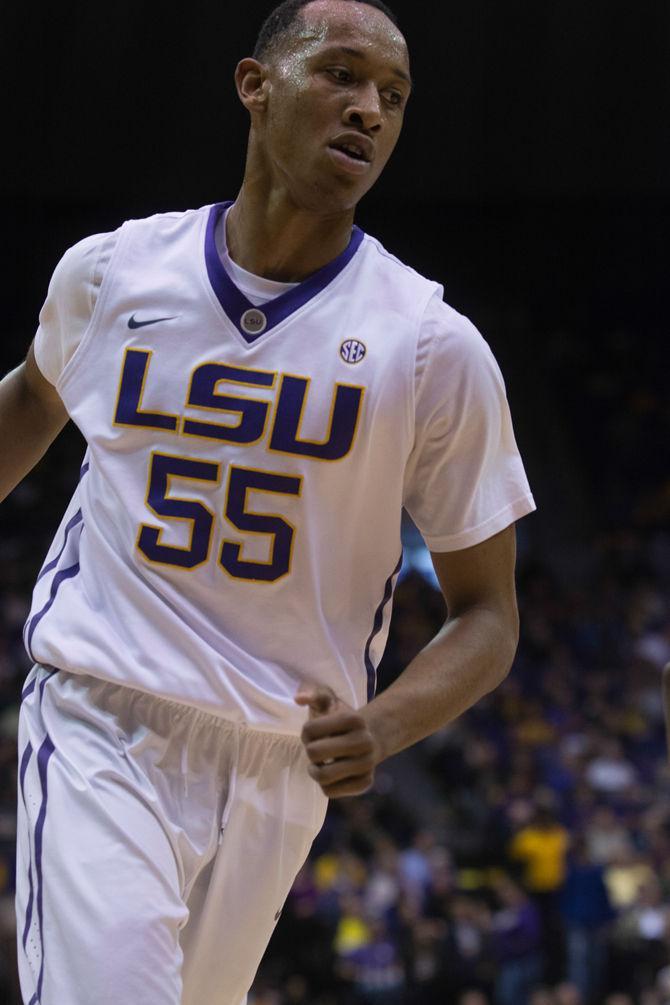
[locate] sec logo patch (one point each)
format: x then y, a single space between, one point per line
352 351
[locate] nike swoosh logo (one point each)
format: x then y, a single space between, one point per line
132 323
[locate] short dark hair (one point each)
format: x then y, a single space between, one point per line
283 20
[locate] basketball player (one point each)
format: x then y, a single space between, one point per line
262 387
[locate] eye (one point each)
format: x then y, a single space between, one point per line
341 74
394 98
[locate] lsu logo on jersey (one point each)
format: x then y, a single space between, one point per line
251 412
253 420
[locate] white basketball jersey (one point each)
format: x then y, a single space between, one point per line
236 527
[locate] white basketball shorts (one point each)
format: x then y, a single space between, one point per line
156 845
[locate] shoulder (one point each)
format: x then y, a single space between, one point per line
453 332
396 275
67 310
447 339
441 324
449 342
165 225
77 277
78 263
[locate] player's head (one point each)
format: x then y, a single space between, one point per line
286 19
327 76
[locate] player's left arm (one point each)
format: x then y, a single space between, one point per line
470 656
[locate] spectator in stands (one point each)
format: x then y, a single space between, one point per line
374 970
517 943
414 864
470 937
625 874
641 936
587 913
541 848
610 772
606 837
427 959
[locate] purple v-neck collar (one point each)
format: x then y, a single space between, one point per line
234 302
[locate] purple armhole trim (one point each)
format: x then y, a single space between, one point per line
59 578
76 519
22 774
32 624
376 628
234 302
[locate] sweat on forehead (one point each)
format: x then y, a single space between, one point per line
325 19
302 20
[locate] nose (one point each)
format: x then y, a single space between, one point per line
365 110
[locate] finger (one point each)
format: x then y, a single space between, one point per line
340 771
349 787
334 724
319 700
333 748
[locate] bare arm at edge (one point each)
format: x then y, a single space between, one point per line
31 417
468 657
666 704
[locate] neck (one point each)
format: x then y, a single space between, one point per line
268 235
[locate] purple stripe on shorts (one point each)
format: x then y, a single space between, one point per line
43 755
28 689
376 628
22 774
49 675
76 519
24 763
59 578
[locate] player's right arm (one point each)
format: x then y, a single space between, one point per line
31 417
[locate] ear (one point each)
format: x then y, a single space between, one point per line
252 84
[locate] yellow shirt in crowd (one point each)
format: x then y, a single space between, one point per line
543 852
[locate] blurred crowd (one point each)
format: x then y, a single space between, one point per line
520 856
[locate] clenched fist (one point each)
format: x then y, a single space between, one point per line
342 751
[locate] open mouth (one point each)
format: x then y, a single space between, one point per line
352 151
